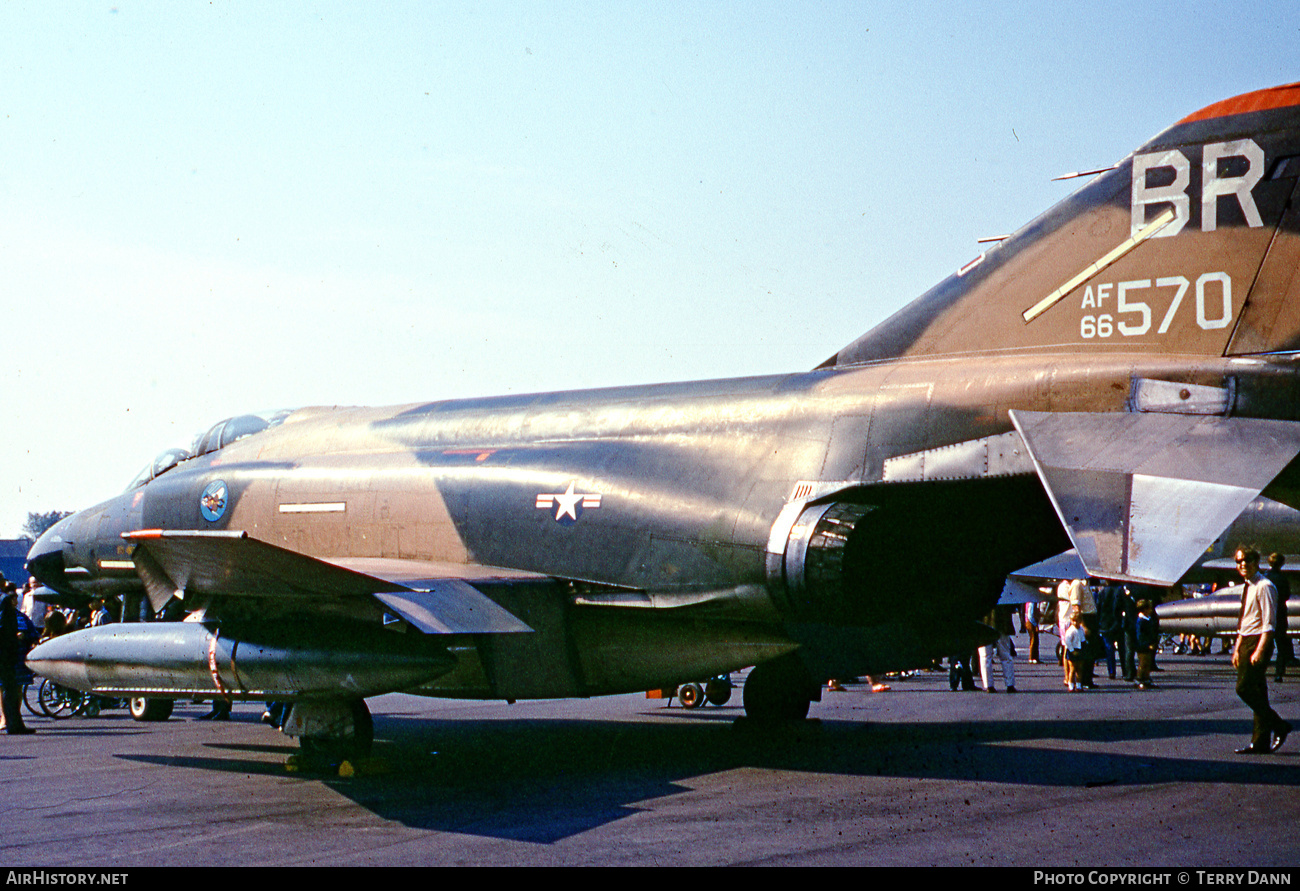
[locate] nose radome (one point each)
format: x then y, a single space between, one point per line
45 560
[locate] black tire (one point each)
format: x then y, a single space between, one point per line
778 692
690 695
718 690
363 729
146 709
328 750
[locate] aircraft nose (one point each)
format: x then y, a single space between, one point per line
46 560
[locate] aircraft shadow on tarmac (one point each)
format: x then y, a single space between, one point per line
544 780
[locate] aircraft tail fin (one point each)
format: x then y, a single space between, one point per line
1189 245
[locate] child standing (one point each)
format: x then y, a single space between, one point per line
1148 638
1074 642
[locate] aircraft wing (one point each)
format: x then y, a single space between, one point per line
231 564
1065 565
1142 495
1022 586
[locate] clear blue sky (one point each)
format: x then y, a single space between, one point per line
212 208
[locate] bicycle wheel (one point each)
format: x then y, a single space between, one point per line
31 694
57 701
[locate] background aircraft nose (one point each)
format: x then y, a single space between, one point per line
45 560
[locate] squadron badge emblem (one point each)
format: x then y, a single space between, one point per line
212 503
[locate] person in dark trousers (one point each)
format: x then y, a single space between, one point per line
1285 654
11 651
1127 609
1146 640
1250 655
960 674
1083 600
220 710
1109 624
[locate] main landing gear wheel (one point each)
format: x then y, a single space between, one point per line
337 749
364 728
718 690
778 692
691 695
145 709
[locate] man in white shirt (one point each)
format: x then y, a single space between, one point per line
1251 653
33 608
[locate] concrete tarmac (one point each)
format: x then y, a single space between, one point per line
916 776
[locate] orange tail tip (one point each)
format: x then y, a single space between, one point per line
1283 96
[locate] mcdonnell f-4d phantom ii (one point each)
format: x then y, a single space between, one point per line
1119 376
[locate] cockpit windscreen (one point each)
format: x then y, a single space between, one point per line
219 435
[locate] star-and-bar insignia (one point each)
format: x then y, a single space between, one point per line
568 504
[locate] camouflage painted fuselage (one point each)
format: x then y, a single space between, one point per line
862 515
